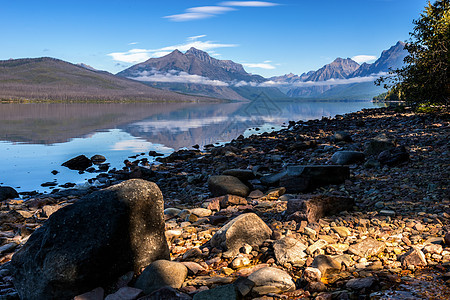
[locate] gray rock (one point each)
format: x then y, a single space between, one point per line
299 179
414 258
93 242
342 136
313 207
377 145
95 294
220 185
289 250
347 157
225 292
7 192
161 273
311 274
98 159
125 293
244 229
243 175
271 280
367 247
325 264
361 283
167 293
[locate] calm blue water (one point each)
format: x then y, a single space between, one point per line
37 138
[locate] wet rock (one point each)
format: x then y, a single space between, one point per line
98 159
161 273
225 292
7 192
224 184
377 145
154 154
347 157
367 247
289 250
125 293
299 179
93 242
80 163
311 208
271 280
244 229
414 258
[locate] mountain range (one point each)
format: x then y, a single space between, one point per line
198 73
191 76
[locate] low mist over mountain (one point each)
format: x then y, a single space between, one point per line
52 79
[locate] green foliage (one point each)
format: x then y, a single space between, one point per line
425 77
380 97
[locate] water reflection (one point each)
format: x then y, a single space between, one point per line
36 138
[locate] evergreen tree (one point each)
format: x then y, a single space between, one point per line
425 76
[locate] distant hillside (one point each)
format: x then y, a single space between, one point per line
52 79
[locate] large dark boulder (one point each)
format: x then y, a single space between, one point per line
298 179
93 242
377 145
7 192
80 163
220 185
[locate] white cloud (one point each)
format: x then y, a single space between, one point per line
364 58
141 55
200 12
188 17
213 10
133 43
264 65
131 56
177 77
249 3
196 37
204 12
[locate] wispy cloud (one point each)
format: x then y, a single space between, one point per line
364 58
140 55
204 12
265 65
196 37
133 43
249 3
201 12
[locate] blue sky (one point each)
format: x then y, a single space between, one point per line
268 37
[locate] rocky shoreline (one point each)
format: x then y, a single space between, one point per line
353 207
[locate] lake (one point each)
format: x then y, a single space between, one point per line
35 139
